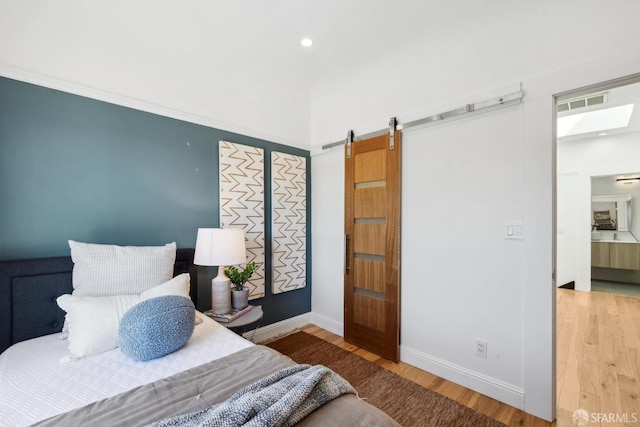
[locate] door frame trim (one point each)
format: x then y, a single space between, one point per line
558 97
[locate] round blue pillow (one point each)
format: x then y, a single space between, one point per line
156 327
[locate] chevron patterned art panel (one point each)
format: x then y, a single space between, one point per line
289 216
242 203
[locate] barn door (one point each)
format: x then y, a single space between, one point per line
372 244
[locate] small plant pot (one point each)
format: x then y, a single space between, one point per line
240 299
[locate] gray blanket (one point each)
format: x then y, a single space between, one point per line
281 399
208 385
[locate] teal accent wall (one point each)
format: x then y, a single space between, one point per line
76 168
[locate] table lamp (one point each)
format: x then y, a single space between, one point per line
220 247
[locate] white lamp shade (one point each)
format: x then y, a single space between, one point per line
220 246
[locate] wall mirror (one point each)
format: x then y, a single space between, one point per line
611 212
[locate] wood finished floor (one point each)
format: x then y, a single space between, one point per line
476 401
598 356
598 363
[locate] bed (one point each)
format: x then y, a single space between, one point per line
110 388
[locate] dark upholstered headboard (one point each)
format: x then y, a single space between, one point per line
29 288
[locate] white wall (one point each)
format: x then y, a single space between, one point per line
507 157
457 195
327 201
579 161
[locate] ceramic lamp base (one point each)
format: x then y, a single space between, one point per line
220 296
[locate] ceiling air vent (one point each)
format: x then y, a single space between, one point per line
585 101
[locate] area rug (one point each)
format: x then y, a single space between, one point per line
405 401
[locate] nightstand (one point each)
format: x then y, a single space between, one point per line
246 322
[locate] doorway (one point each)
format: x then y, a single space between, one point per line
597 152
597 155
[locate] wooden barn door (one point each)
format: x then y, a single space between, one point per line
372 245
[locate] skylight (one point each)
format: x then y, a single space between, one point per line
595 121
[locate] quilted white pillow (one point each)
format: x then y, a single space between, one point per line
94 321
101 270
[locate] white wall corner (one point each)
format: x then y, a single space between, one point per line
494 388
327 323
279 328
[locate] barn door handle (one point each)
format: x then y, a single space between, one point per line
346 254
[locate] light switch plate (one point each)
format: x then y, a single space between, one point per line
514 230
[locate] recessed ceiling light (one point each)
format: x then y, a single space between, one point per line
603 134
306 42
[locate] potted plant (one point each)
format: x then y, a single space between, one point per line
240 292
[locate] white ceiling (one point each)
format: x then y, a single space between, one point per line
259 38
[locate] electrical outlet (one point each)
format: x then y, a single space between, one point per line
481 347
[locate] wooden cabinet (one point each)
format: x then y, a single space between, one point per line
624 255
615 255
600 254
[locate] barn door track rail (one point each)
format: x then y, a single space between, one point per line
509 99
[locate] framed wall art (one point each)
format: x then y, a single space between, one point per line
289 221
242 203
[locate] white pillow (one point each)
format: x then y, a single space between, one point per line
94 321
101 270
179 285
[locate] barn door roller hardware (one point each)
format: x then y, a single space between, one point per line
392 130
348 141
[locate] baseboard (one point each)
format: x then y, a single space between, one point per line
494 388
327 323
279 328
480 383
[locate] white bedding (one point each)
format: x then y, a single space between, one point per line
34 385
